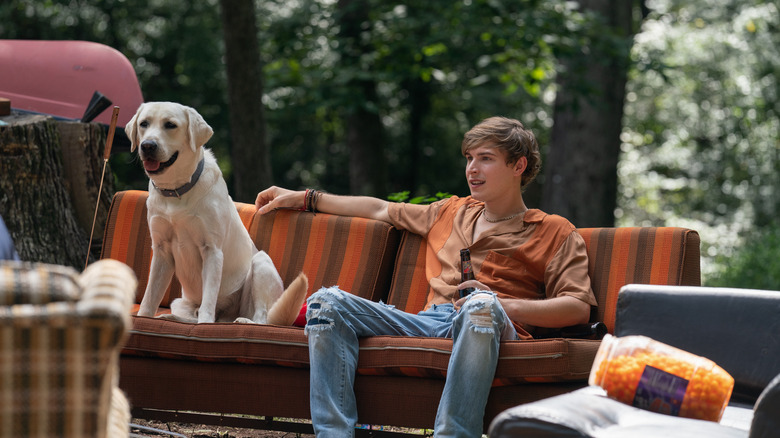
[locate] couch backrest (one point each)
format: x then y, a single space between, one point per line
639 255
409 289
353 253
376 261
617 256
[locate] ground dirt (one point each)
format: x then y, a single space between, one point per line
190 430
204 431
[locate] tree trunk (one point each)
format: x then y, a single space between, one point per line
49 178
365 132
419 108
366 151
251 158
82 146
581 166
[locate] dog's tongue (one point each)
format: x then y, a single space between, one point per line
151 165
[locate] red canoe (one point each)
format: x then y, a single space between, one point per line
60 77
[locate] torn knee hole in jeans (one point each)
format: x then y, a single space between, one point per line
480 314
314 317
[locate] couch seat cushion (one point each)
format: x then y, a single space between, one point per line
548 360
218 342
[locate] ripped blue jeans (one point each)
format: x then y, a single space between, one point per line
335 321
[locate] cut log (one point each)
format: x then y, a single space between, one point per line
82 158
50 172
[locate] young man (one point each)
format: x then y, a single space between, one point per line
531 271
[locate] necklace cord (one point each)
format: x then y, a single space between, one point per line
493 221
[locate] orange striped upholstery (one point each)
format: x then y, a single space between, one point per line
538 360
376 261
640 255
353 253
246 212
127 239
409 290
617 256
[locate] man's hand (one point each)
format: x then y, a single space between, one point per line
470 283
274 198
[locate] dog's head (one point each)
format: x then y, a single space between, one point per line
166 133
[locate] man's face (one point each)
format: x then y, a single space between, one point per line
488 174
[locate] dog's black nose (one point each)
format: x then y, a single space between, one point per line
148 146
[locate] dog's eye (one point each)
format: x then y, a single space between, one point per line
170 125
144 124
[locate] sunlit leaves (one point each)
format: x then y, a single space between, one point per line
701 127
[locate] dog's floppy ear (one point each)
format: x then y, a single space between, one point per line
200 132
131 129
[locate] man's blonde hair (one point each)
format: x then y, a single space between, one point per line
508 135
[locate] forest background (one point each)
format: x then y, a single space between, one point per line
649 113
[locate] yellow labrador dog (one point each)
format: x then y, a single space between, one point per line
196 231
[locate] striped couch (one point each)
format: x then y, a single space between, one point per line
173 370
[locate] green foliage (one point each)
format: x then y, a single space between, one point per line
438 68
755 265
403 196
702 121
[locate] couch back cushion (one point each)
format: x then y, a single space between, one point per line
639 255
617 256
355 254
409 288
126 238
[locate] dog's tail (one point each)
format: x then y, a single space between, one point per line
288 306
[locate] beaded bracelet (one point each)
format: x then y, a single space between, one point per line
310 199
314 198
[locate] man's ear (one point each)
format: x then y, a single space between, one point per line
520 166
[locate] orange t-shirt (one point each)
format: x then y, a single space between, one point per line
534 257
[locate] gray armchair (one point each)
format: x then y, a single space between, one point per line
738 329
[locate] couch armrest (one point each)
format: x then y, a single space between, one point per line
108 290
765 421
592 330
736 328
589 413
60 358
37 284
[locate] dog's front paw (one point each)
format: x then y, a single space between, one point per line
172 317
242 320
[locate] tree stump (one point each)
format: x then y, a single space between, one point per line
82 152
49 178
